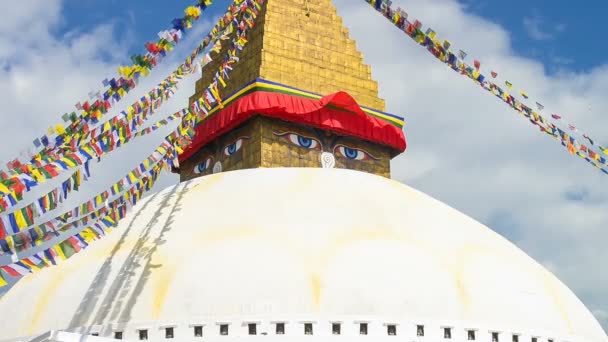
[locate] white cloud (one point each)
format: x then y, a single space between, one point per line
533 27
465 147
537 29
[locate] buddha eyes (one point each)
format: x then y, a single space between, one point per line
340 150
227 151
301 140
200 168
352 153
235 146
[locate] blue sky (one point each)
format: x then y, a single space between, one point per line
135 22
561 34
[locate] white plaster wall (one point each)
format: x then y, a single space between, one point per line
299 244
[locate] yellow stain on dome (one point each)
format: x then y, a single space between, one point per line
207 183
316 288
470 250
458 273
549 283
284 241
161 282
45 296
58 275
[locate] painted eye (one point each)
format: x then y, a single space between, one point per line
300 140
234 147
353 153
200 168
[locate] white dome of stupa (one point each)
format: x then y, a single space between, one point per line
327 247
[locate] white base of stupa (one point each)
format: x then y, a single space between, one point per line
298 245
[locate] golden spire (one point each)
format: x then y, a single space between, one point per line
302 44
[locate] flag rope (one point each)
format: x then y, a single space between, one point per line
118 88
442 51
179 139
113 131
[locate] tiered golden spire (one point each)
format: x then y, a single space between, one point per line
302 44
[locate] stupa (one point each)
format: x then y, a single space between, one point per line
286 226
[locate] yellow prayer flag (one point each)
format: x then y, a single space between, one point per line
89 150
193 11
4 188
132 177
59 128
10 242
68 162
59 252
20 219
37 175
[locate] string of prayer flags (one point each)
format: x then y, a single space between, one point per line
81 240
25 226
446 56
166 153
210 97
180 138
142 66
88 212
76 133
462 54
12 189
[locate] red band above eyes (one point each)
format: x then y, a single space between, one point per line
338 113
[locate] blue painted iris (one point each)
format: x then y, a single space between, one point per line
304 141
352 153
200 168
231 148
301 140
234 147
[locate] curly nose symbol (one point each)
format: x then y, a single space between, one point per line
328 160
217 167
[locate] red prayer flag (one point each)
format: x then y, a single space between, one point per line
2 230
51 170
10 271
